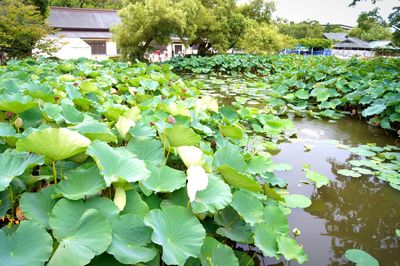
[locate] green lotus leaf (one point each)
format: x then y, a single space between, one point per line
29 245
302 94
232 226
236 179
147 149
289 248
296 201
248 206
80 183
116 164
6 130
215 197
244 258
214 253
282 167
123 126
360 257
276 219
191 156
129 237
178 242
318 179
397 231
363 171
232 131
88 87
347 172
16 103
95 130
135 204
14 163
54 143
362 152
260 164
89 236
181 136
66 213
230 155
265 239
374 109
165 179
38 206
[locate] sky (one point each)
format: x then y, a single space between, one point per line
332 11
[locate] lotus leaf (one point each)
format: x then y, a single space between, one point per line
178 242
54 143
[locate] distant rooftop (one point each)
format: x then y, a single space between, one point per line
82 18
339 37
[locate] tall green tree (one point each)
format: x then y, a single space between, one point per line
301 30
394 19
143 22
21 27
42 6
371 26
258 10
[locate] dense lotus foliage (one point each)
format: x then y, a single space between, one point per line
107 163
314 86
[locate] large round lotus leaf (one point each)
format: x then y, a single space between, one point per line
214 253
165 179
178 231
296 201
116 164
80 184
14 163
147 149
38 206
66 213
275 218
232 131
129 237
16 103
347 172
236 179
215 197
54 143
95 130
191 155
230 155
181 136
232 226
248 206
289 248
135 204
265 239
360 257
374 109
29 245
80 242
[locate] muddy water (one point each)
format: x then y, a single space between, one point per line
349 213
358 213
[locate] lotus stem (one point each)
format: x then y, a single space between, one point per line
12 201
54 172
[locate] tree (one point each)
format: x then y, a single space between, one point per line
394 19
105 4
305 29
143 22
371 27
333 28
263 38
42 6
21 27
258 10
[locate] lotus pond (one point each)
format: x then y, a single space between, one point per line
110 163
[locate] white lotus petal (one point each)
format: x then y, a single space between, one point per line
123 125
191 155
197 180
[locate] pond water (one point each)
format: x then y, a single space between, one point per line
349 213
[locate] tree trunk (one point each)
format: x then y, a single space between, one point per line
203 48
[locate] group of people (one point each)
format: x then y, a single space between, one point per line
161 56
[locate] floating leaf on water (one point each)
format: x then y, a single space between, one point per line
360 257
347 172
289 248
165 179
236 179
248 206
296 201
318 179
214 253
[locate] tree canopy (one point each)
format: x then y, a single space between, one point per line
105 4
21 27
301 30
371 27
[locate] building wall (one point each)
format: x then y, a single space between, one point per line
350 53
70 48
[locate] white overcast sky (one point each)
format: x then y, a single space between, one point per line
332 11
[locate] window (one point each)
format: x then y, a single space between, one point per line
98 47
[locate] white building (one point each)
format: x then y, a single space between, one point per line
86 32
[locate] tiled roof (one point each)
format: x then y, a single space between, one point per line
340 36
82 18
